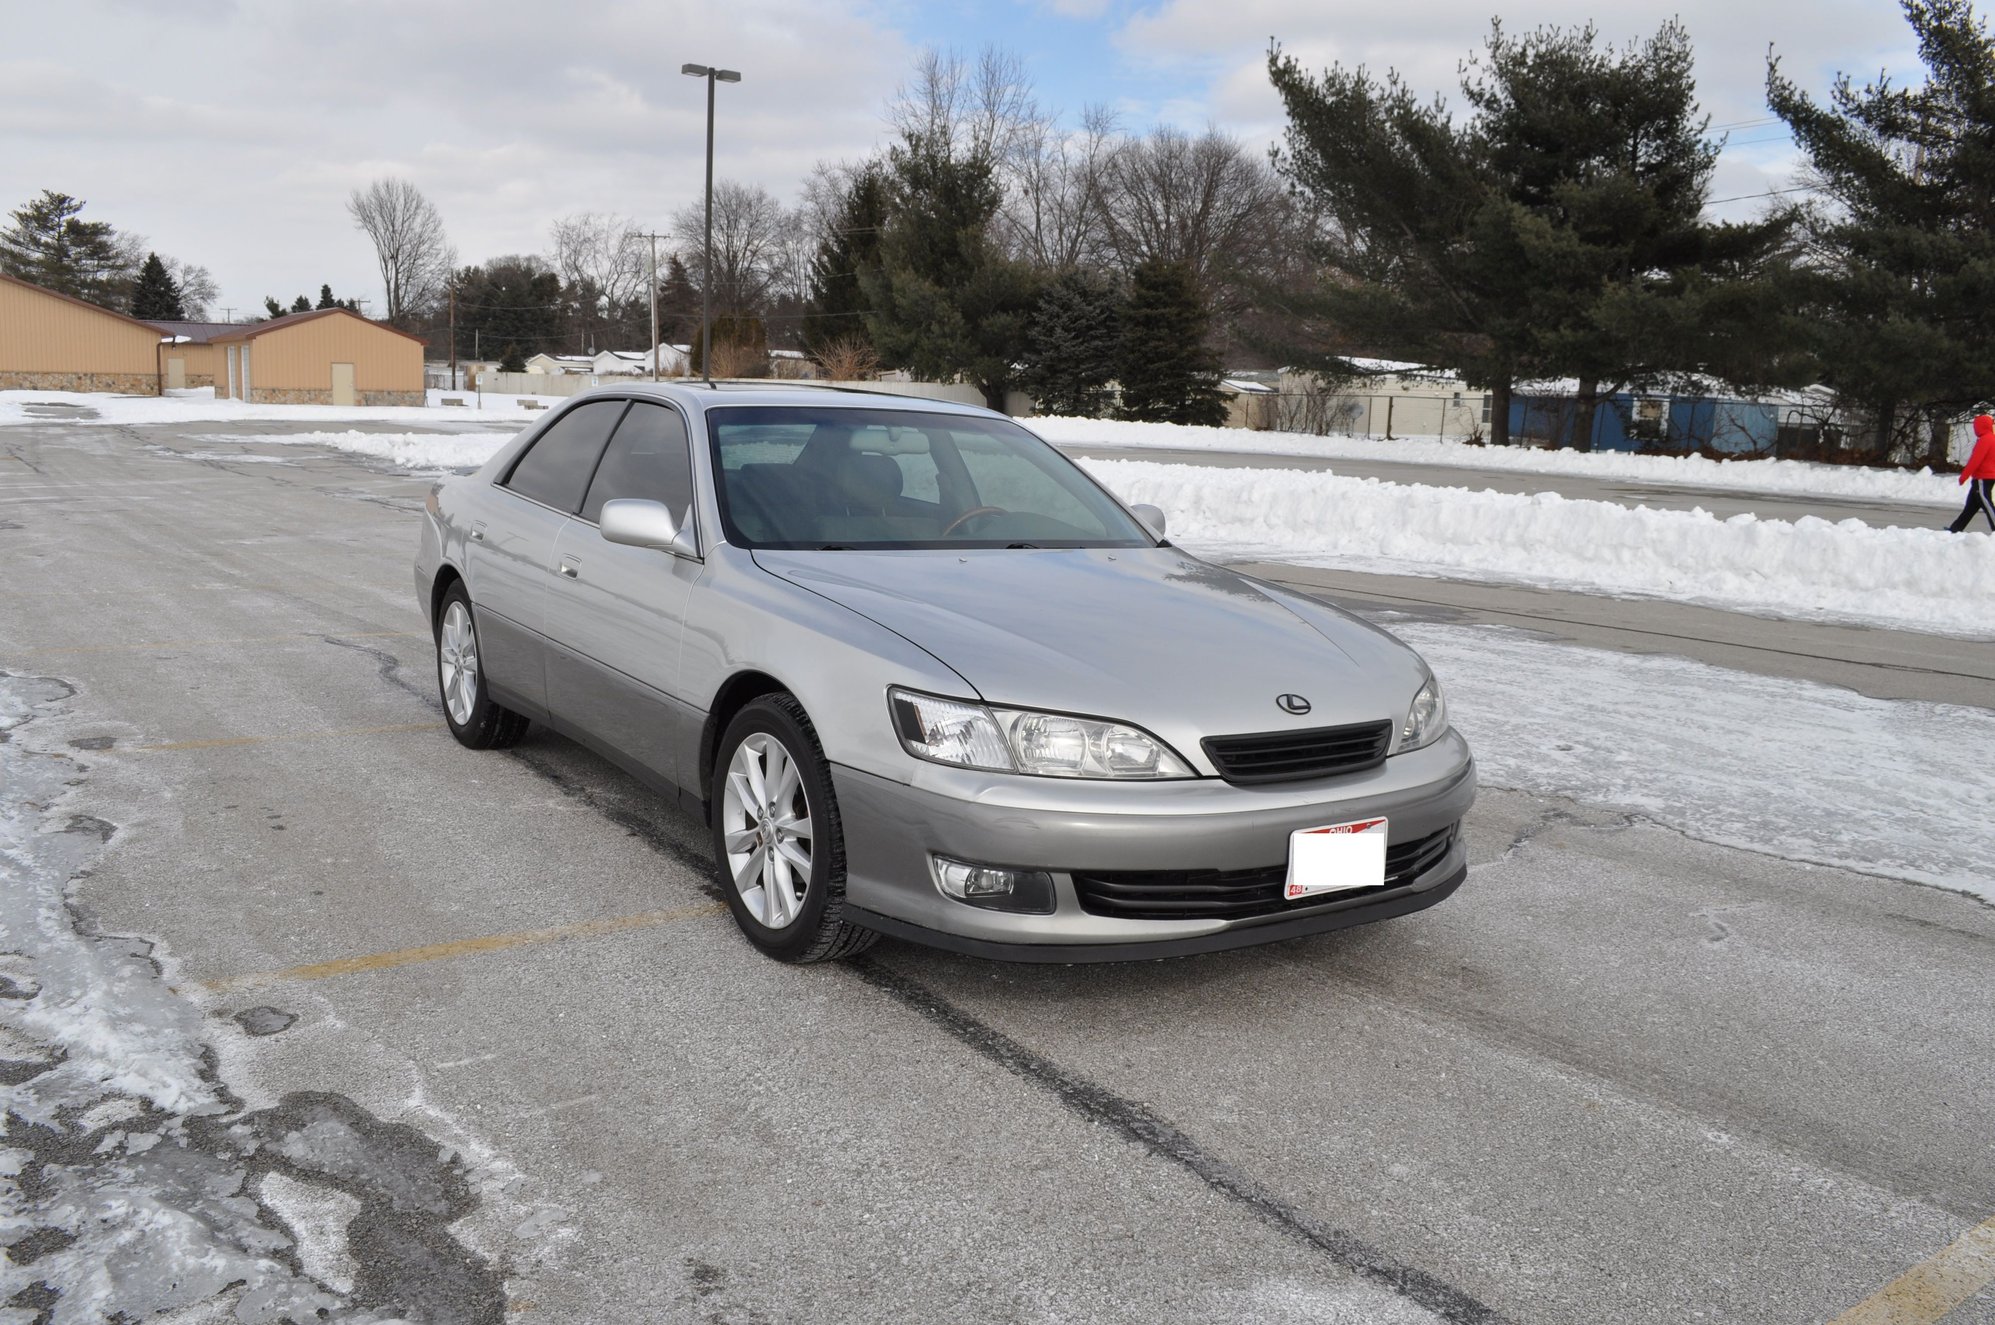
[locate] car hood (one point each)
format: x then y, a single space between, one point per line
1146 635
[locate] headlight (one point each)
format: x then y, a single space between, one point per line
1058 745
1426 719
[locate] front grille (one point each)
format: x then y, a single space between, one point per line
1293 755
1236 894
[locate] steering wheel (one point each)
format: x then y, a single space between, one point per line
970 515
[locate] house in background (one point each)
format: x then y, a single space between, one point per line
557 364
673 361
329 356
53 342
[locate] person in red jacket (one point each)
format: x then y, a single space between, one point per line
1979 476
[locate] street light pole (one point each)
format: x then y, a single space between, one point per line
712 75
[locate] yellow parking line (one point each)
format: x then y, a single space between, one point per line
240 639
221 742
1933 1287
433 952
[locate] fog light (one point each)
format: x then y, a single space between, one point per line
993 887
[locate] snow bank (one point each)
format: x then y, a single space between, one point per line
1909 579
200 406
426 451
1785 477
1806 772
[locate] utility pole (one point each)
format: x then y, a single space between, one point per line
228 312
706 275
453 338
654 305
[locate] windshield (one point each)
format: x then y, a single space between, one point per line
836 477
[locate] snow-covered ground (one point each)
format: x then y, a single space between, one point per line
1806 772
424 452
1787 477
1909 579
200 406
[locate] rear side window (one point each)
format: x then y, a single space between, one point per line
556 468
648 459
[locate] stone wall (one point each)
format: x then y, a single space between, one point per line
126 384
197 380
298 395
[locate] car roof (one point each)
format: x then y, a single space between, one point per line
700 396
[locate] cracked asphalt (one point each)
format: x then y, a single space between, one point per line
1622 1075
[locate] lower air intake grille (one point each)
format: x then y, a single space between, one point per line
1235 894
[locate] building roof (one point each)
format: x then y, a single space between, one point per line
193 333
252 330
80 303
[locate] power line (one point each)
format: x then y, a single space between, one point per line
1770 193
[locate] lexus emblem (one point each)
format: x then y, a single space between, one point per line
1295 704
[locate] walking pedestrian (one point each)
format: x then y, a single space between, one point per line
1979 476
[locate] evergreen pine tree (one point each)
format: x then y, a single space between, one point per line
678 304
272 307
1168 373
301 305
1899 301
156 296
49 245
326 299
835 311
1072 352
945 301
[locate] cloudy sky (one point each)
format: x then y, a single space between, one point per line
230 132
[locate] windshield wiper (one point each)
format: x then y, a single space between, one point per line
1011 547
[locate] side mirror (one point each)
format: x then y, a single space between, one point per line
646 524
1151 516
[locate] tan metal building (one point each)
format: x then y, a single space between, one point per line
326 357
52 342
190 357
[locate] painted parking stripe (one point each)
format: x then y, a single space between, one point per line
1935 1286
472 947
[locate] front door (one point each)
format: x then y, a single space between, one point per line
342 385
176 374
615 613
510 561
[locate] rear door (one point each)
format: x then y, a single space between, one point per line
510 558
615 614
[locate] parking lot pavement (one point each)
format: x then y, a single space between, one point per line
1621 1076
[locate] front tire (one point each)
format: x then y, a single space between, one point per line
777 837
476 720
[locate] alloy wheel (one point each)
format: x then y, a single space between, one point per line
767 825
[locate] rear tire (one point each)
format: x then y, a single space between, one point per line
777 837
476 719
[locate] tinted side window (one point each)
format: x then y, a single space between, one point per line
648 459
556 469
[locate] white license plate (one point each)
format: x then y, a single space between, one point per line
1335 858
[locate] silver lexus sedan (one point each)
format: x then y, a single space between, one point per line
925 677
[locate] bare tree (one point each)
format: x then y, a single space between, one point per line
198 290
848 359
410 245
1054 215
749 235
604 252
983 110
1203 201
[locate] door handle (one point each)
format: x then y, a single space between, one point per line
571 570
477 535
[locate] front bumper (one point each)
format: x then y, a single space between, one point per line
891 829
